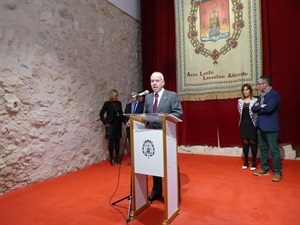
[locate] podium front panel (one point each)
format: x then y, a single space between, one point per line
148 152
141 192
172 170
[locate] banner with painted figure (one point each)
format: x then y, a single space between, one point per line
219 47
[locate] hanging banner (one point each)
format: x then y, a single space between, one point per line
219 47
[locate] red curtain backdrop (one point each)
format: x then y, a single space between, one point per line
203 120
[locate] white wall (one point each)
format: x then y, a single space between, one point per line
131 7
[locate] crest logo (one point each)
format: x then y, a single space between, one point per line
215 20
209 21
148 148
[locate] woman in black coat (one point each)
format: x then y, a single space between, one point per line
113 124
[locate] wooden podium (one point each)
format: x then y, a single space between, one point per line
154 152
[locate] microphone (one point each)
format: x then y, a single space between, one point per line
142 93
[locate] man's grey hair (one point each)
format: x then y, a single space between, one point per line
266 79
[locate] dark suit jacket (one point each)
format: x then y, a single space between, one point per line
139 109
169 103
268 116
111 109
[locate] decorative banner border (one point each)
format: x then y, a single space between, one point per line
219 47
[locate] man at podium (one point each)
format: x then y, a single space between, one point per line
160 101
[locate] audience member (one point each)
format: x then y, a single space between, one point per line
135 106
142 98
267 107
247 125
113 124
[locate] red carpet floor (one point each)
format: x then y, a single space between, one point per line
215 190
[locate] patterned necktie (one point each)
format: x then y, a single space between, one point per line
155 103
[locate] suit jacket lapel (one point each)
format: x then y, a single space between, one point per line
162 101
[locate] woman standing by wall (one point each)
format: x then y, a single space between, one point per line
113 124
247 125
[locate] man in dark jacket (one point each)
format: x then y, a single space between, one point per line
134 107
267 124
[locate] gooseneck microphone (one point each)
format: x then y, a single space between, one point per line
142 93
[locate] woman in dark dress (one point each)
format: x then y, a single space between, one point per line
247 125
113 124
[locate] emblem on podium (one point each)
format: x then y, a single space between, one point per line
148 148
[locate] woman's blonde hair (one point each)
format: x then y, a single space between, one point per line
112 93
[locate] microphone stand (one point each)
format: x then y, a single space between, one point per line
129 205
128 197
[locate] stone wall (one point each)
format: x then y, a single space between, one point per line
58 60
286 151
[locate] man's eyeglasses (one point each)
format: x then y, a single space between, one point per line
260 83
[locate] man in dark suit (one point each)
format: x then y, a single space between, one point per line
134 107
267 124
160 101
